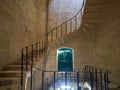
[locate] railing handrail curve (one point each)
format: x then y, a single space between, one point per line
70 18
40 48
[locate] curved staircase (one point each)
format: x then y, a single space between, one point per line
10 76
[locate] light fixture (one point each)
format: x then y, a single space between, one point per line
65 87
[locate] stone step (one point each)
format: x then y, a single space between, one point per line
95 2
9 81
11 74
10 87
16 67
24 62
19 62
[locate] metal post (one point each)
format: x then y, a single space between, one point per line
78 88
71 25
54 81
96 79
75 22
22 58
65 80
51 36
26 58
107 80
85 74
91 80
42 46
56 33
105 86
39 49
46 24
36 50
42 80
70 77
100 79
61 30
31 81
66 28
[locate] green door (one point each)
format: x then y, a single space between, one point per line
65 59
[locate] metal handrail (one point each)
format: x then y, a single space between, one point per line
37 49
73 26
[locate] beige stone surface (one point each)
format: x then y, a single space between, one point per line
21 23
60 11
97 45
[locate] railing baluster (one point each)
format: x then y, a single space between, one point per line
22 59
39 49
92 78
31 79
96 79
71 25
78 81
85 74
26 58
65 78
75 22
61 30
42 80
54 81
51 36
66 28
42 47
105 83
56 33
100 79
107 80
36 50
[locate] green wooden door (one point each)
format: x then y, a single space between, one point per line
65 59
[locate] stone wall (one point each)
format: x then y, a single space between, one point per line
20 25
99 47
62 10
108 43
83 46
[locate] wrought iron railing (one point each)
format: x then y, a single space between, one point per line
29 55
68 26
98 77
33 52
90 78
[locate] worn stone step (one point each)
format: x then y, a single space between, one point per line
10 87
11 74
16 67
24 62
19 62
9 81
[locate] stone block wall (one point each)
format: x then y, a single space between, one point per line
99 47
83 46
62 10
108 41
21 23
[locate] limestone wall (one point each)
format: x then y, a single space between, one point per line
83 46
62 10
108 42
99 47
20 25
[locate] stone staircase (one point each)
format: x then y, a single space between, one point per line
10 76
93 12
90 20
